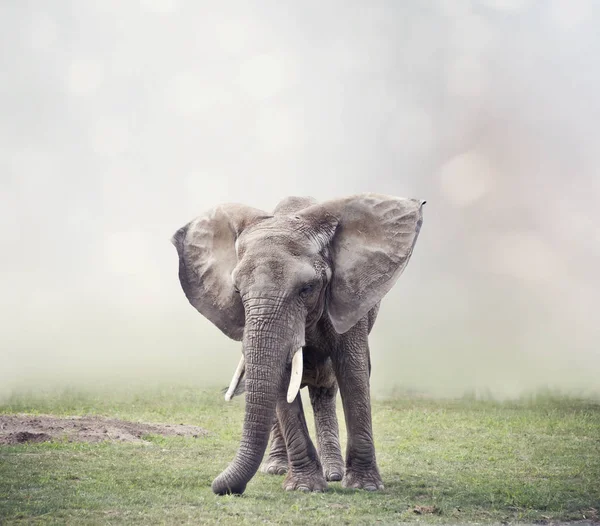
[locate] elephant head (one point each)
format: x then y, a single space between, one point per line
263 279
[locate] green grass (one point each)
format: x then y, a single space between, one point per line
536 459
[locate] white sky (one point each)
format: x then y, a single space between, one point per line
122 120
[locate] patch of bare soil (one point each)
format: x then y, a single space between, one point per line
20 429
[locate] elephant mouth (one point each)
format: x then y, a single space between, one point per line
295 377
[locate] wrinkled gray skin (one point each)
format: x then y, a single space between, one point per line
312 276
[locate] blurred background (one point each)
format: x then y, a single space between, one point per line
122 120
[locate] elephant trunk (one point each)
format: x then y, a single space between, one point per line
265 347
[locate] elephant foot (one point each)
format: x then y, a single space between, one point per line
369 480
305 482
275 466
333 471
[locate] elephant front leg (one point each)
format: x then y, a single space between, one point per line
326 424
305 472
277 461
352 368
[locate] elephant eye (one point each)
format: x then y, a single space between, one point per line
307 289
237 291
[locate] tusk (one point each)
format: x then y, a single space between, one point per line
296 376
236 379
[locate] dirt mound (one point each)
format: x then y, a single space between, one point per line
25 436
20 429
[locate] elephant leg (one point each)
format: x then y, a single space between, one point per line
305 472
277 461
326 424
352 369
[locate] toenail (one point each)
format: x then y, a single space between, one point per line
370 487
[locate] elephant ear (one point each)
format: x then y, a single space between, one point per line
207 257
370 248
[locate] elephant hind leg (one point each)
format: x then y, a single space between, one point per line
305 471
277 461
326 424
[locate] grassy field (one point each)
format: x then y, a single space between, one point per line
535 460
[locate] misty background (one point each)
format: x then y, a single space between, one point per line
122 120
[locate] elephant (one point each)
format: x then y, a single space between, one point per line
301 289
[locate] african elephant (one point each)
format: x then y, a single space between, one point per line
301 289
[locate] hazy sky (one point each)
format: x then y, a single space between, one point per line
122 120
